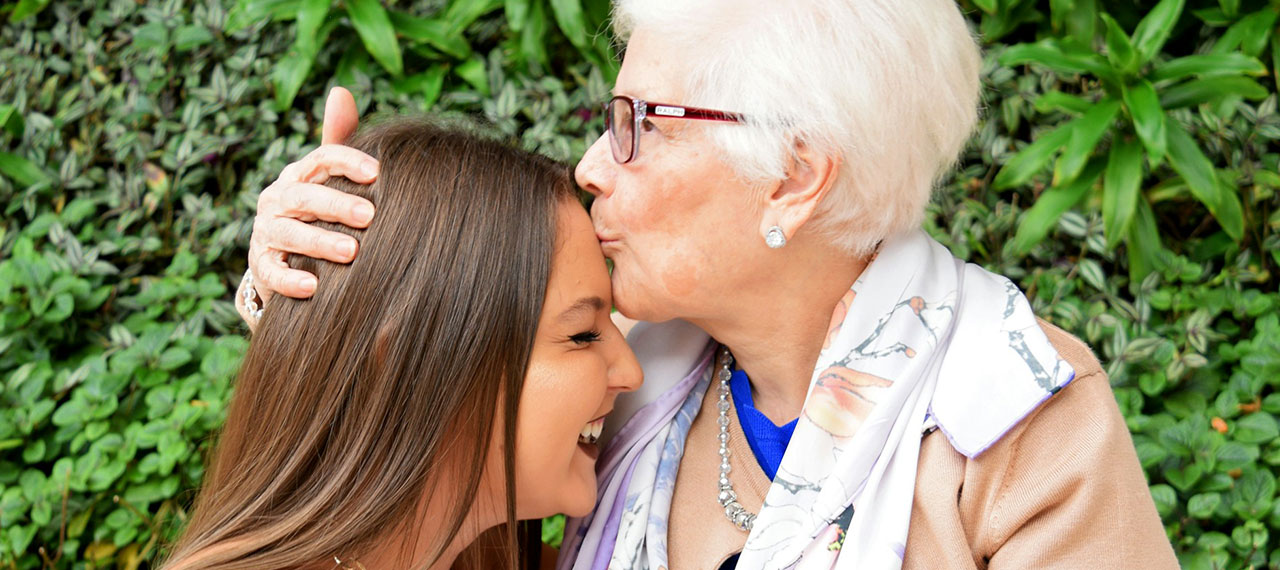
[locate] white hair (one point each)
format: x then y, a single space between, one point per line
889 86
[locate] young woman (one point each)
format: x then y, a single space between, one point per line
451 380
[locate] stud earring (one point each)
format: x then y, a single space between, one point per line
775 239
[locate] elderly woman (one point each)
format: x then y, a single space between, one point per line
826 386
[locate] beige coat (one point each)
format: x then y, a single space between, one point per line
1062 489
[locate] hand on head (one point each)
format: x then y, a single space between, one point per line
299 196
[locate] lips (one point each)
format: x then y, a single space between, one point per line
606 236
591 432
588 437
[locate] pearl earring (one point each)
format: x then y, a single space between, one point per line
775 239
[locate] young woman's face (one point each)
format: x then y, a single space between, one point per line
580 362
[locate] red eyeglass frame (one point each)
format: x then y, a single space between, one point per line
640 111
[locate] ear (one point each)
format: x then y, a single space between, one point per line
809 178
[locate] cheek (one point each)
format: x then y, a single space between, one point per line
682 275
664 253
557 400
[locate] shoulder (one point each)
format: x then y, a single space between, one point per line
1079 425
1072 349
1068 469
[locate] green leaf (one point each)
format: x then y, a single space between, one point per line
1275 59
1207 90
292 70
472 71
1165 498
188 38
173 358
1058 101
1148 118
21 171
153 36
374 27
1249 34
1154 28
988 6
1085 134
1075 21
1145 251
1120 51
182 264
1202 506
1190 162
1030 160
1053 56
26 9
71 412
435 33
1233 455
248 12
1230 213
144 493
1253 494
426 85
568 15
1208 65
1043 216
62 306
1092 273
1257 428
11 120
516 11
1185 478
532 45
553 530
463 13
311 14
20 537
1121 186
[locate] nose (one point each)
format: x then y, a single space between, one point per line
595 171
624 370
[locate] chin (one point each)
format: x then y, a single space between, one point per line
580 504
632 303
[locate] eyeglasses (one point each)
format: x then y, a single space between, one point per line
623 116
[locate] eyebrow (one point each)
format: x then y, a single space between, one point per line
585 304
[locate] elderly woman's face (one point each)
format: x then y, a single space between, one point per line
677 225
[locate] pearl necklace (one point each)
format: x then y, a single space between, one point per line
737 514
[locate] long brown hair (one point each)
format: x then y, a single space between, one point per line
357 408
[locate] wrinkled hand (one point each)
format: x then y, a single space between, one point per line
299 196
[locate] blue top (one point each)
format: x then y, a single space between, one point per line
768 441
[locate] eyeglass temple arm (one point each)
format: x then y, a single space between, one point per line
681 112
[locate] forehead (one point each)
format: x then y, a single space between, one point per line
578 268
652 69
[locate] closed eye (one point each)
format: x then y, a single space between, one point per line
586 337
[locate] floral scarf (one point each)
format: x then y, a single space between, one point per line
921 340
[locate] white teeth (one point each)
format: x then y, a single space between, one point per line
591 432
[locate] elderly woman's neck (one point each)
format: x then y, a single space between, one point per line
776 329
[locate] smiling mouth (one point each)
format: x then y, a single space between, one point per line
590 433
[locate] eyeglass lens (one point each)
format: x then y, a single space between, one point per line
621 126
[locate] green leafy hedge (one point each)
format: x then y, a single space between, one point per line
1125 174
